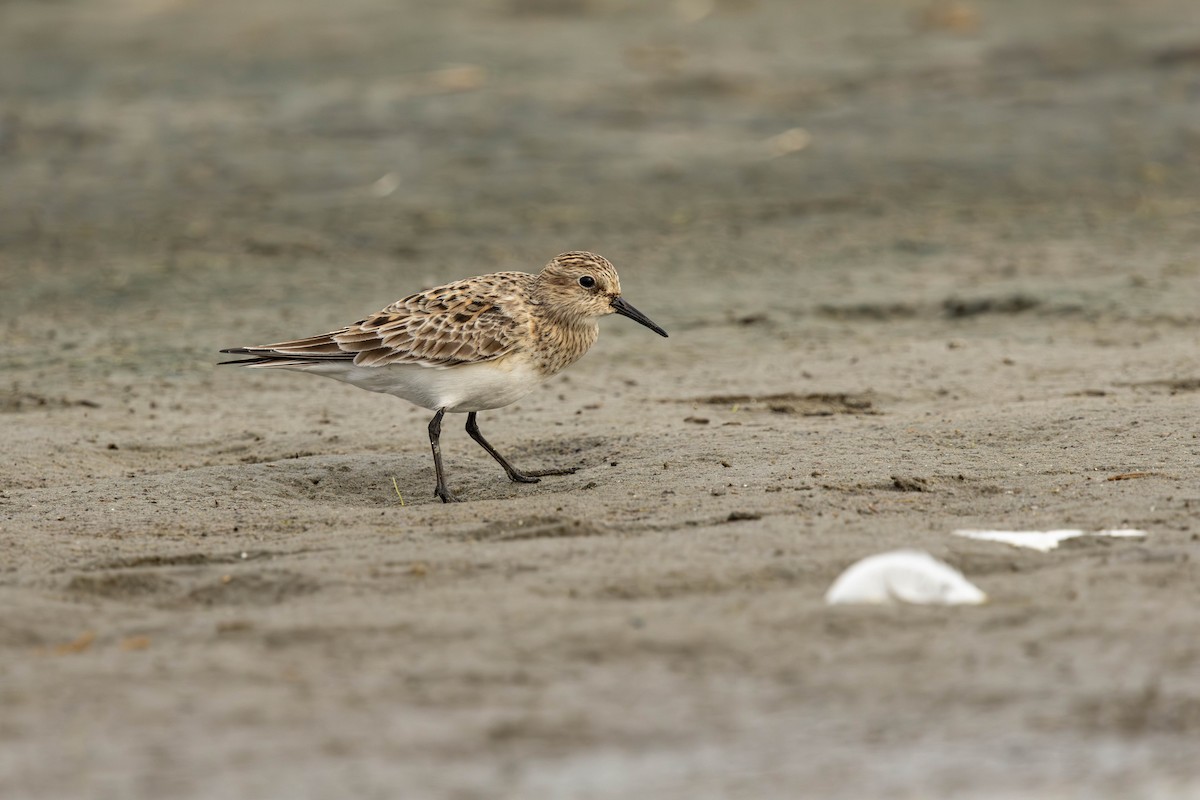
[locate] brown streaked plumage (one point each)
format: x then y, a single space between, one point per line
468 346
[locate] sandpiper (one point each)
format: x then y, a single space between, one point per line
468 346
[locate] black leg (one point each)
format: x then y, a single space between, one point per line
435 432
514 474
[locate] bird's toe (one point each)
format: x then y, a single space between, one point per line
445 495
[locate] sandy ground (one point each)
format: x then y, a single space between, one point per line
964 291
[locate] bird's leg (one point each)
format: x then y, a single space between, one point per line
514 474
435 432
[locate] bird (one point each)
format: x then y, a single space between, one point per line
472 345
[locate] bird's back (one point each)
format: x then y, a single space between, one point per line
468 321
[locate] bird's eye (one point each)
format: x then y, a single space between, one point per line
587 282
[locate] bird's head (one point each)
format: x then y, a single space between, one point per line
585 286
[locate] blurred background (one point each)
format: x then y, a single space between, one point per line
925 264
160 151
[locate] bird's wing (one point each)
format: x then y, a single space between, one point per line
479 319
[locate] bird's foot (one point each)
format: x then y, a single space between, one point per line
445 495
532 477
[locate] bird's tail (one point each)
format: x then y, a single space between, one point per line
265 359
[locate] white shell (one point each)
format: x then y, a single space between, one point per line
903 576
1044 541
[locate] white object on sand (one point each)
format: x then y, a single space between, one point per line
903 576
1045 541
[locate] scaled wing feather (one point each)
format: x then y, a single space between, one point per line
458 323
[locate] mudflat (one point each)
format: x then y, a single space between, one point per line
925 267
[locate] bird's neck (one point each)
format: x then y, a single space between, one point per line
561 341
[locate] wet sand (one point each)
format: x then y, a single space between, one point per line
925 267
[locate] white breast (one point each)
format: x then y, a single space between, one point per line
462 388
